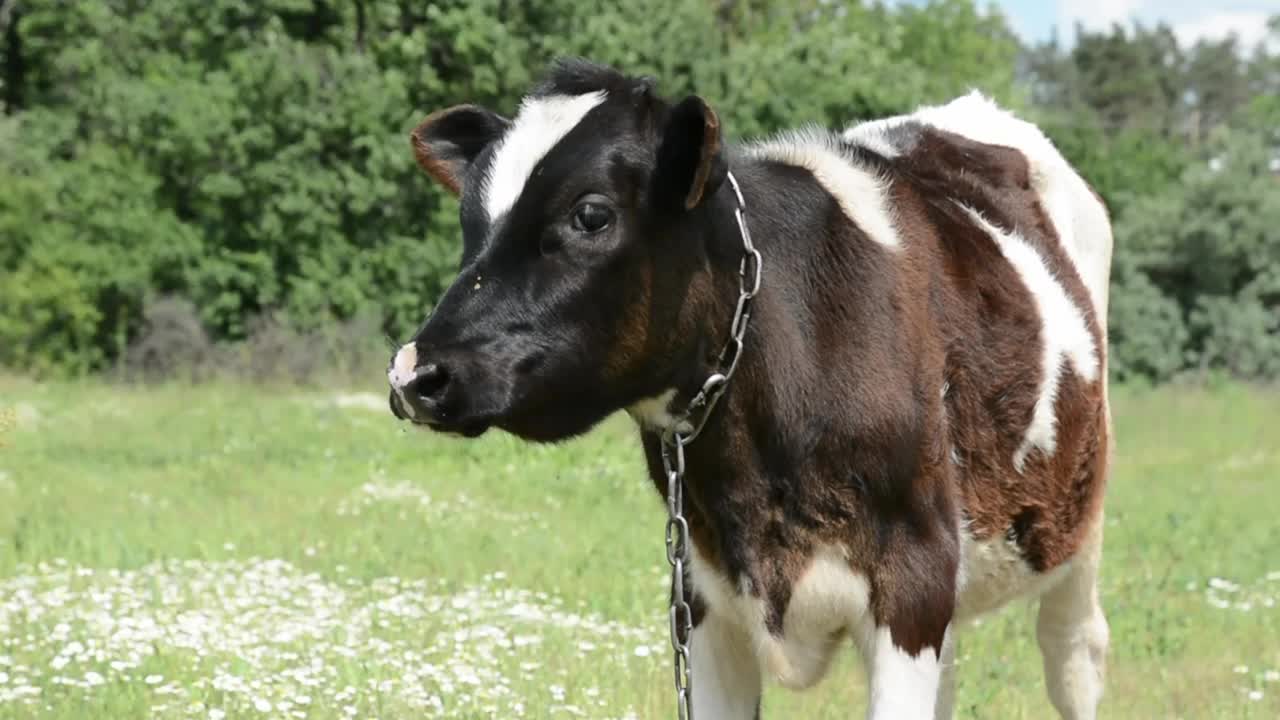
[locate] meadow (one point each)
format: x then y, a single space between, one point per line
226 551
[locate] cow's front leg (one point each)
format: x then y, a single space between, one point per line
904 683
914 602
726 676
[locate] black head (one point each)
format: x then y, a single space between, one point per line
585 227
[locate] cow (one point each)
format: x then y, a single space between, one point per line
918 431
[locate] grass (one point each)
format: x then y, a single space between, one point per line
223 551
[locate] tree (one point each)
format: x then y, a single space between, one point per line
1208 246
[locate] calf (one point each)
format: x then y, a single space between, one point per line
918 429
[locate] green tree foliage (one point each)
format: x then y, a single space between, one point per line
1208 247
250 157
1183 144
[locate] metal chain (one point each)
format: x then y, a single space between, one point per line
673 442
680 614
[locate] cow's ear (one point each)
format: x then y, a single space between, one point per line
691 165
448 141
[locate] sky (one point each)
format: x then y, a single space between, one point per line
1191 19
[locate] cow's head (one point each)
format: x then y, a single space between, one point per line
584 283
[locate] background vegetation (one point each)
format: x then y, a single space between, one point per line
247 159
197 187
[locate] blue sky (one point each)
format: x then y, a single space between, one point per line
1191 19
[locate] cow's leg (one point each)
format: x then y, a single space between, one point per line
904 685
947 681
914 598
1073 637
726 675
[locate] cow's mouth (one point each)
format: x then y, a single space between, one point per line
468 428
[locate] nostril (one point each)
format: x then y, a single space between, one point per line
429 381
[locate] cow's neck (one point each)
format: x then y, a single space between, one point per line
727 452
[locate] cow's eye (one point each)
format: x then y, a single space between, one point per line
591 217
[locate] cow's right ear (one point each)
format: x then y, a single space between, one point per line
448 141
691 165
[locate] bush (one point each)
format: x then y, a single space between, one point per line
173 345
1239 336
253 158
1197 280
1148 337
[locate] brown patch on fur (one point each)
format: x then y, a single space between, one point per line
442 170
631 337
710 146
996 181
994 356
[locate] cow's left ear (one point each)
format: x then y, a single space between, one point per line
448 141
691 165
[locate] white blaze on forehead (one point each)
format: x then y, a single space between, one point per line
861 192
1065 335
403 367
539 125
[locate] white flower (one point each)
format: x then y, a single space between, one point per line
1255 695
1223 585
154 679
642 651
262 705
1240 669
216 714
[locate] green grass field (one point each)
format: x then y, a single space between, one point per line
225 552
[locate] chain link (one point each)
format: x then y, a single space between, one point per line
673 442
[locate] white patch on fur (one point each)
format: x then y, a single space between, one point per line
404 368
874 136
994 572
861 193
829 601
726 676
903 686
1081 221
655 413
540 123
1065 335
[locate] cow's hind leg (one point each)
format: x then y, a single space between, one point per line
1073 637
726 676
